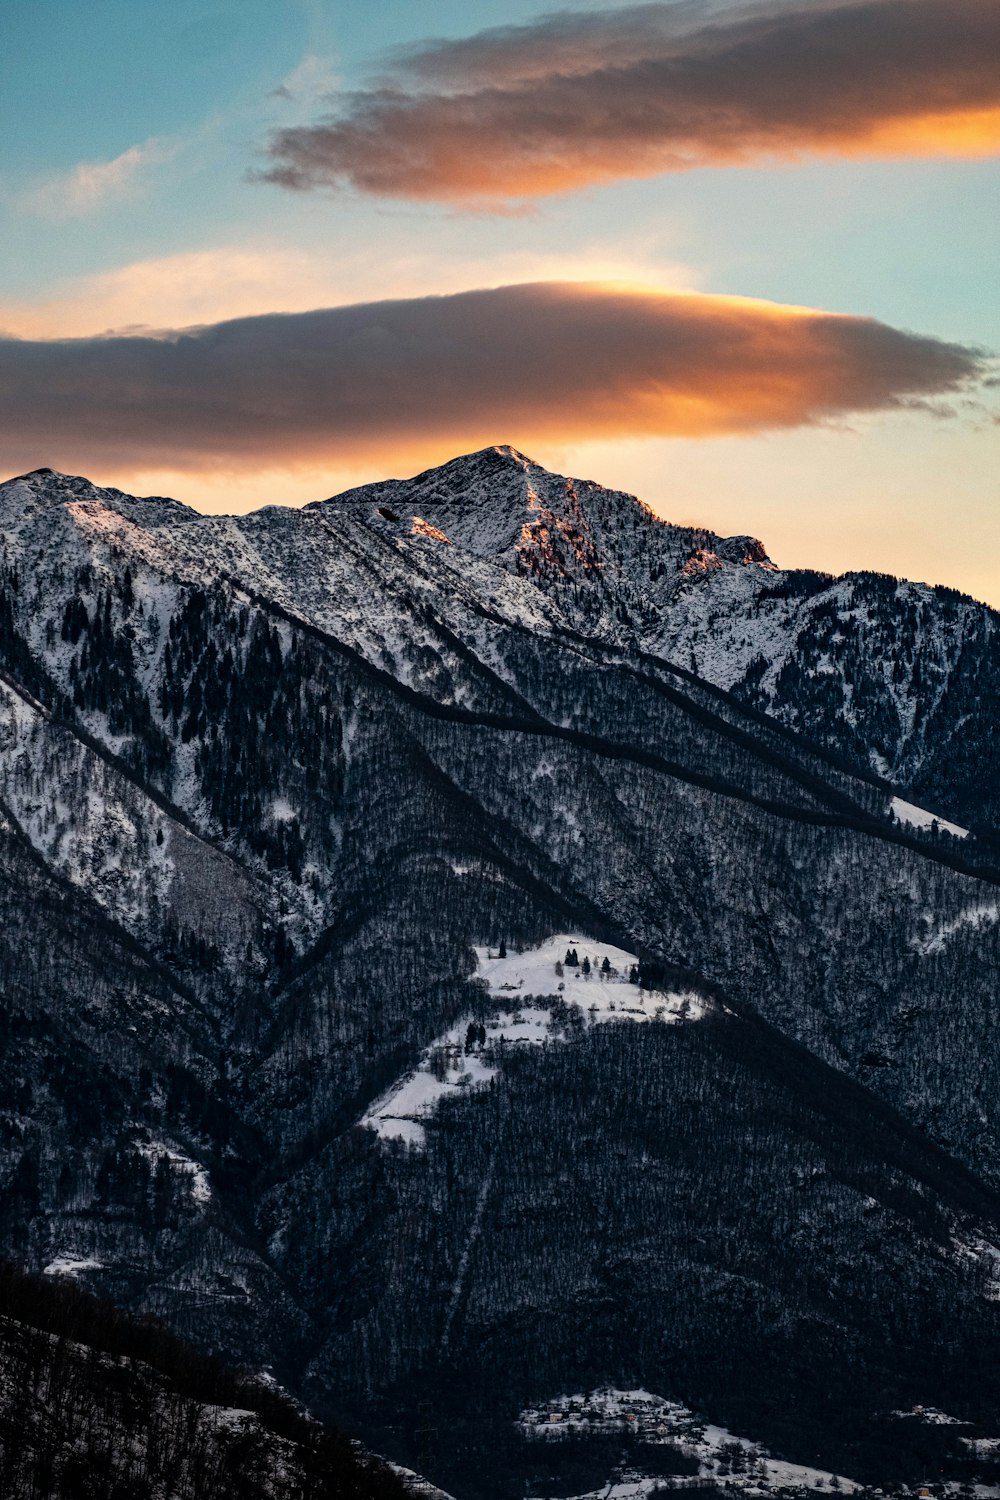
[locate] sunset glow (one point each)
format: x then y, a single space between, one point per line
396 380
961 133
501 168
647 243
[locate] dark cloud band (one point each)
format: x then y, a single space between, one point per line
519 363
577 99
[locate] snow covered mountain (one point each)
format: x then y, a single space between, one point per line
899 678
896 678
274 788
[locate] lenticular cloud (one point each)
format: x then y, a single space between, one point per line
377 380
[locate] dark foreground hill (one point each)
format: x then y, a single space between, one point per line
96 1406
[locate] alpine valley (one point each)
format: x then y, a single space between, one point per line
468 942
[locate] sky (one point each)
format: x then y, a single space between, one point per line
738 258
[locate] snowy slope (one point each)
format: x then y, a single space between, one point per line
869 666
721 1457
412 573
539 1001
602 555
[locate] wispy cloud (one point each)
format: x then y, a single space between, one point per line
90 185
170 291
390 380
310 83
576 99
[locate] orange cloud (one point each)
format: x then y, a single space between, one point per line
580 99
388 381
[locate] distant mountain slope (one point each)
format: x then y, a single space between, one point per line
268 782
896 676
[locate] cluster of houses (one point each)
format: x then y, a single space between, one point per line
648 1417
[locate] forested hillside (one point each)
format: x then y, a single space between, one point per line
274 789
95 1406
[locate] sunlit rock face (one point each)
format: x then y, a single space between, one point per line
276 790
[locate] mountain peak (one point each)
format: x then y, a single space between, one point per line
504 507
53 483
505 452
45 488
469 474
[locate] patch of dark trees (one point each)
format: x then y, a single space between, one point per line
98 1406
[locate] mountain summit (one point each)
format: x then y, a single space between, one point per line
503 507
897 677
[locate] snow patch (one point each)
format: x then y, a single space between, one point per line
721 1455
229 1418
983 1447
155 1151
919 817
415 1483
72 1265
424 528
556 1006
929 1416
976 917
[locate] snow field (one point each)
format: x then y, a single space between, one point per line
919 817
71 1265
602 996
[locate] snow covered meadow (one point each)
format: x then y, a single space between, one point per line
540 1000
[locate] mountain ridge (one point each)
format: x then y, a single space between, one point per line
916 664
730 548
